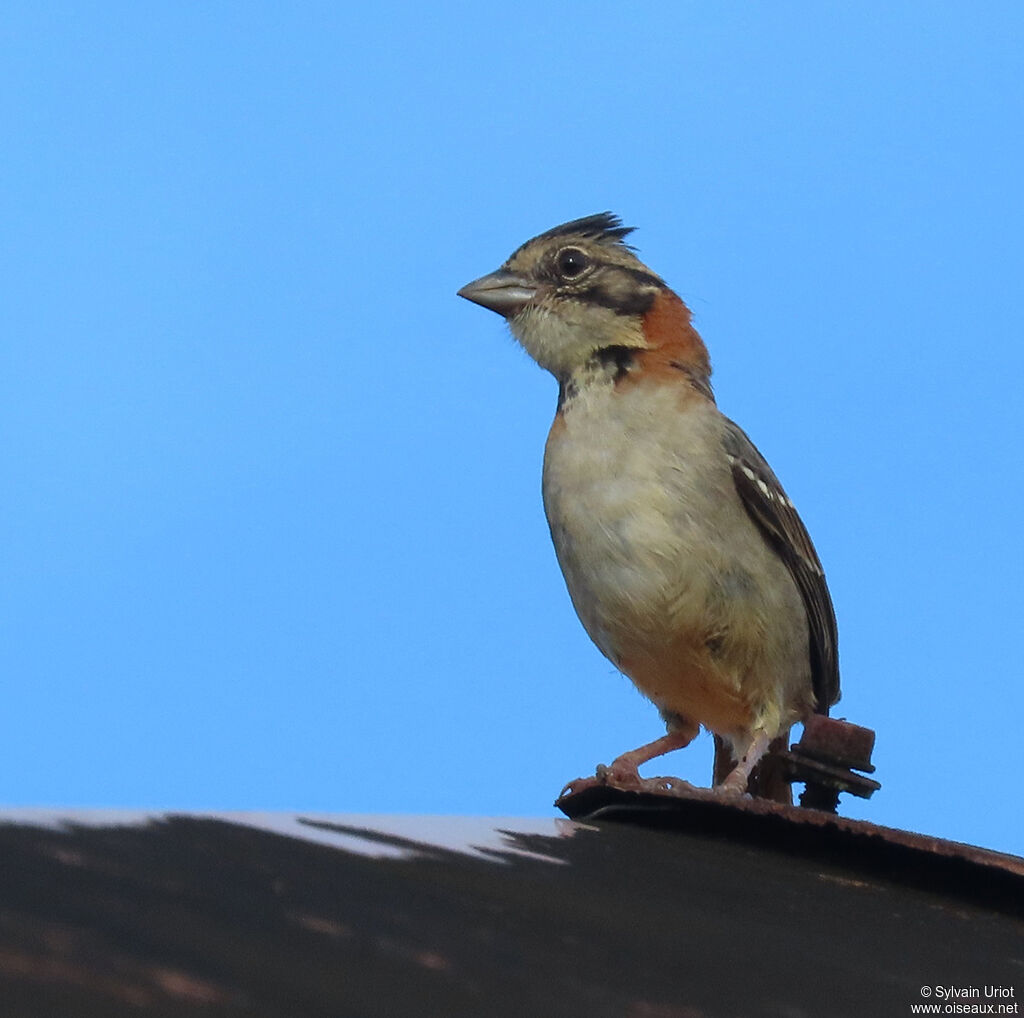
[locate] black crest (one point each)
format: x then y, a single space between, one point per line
605 227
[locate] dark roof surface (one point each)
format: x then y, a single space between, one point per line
333 916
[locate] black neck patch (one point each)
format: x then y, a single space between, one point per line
616 360
608 364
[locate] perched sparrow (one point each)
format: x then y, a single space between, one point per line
685 560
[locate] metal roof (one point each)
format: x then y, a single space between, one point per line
675 913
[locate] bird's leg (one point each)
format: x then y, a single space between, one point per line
735 782
623 769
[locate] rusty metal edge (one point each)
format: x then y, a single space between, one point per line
808 831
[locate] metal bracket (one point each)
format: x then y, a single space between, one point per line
827 758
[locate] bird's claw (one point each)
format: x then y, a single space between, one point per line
731 789
628 779
618 775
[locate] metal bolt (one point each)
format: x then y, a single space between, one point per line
826 760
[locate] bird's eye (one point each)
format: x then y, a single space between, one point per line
572 262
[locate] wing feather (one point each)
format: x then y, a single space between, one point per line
775 515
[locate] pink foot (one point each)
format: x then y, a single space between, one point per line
621 773
627 778
736 781
730 788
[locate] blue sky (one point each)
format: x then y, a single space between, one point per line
270 528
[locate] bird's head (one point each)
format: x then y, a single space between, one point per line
577 289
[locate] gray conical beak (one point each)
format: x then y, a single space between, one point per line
501 291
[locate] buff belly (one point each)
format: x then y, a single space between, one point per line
667 573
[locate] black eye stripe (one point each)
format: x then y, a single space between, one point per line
637 302
585 276
648 278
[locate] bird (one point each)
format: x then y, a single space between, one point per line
684 558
